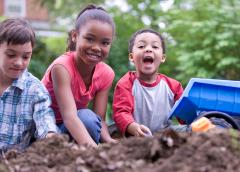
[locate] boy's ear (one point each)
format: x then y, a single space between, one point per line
130 57
164 58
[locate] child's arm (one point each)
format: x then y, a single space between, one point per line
67 106
123 107
99 107
43 115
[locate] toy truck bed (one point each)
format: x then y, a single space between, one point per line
208 95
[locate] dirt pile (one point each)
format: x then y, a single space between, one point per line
214 151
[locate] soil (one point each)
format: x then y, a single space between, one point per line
215 151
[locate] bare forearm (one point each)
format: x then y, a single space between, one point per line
131 128
79 132
105 136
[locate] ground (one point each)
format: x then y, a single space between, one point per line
215 151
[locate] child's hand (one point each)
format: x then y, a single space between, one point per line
50 134
145 131
139 130
112 140
202 124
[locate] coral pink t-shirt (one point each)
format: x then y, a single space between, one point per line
102 79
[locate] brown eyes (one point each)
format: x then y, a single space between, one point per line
11 55
143 46
91 40
26 57
14 55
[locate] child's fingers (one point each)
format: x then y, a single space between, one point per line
141 133
146 131
51 134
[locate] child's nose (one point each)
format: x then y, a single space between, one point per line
148 49
96 47
18 62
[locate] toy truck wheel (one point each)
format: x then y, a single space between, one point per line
220 119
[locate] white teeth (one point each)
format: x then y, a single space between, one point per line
94 55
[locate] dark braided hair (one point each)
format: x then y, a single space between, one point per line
90 7
90 12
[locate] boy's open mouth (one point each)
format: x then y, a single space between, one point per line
148 59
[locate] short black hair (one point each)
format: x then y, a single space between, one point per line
133 38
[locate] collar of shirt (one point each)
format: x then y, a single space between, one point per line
20 81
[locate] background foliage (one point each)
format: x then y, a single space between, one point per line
202 37
45 51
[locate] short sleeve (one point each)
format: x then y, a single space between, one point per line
105 76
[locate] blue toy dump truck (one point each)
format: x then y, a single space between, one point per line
218 100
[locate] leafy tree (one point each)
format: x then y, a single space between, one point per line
126 24
118 58
45 51
66 9
206 38
151 14
202 37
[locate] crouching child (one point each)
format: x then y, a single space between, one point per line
25 111
143 98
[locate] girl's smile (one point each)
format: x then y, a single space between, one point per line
94 42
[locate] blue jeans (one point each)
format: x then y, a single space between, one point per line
91 121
